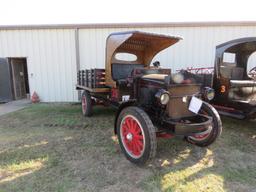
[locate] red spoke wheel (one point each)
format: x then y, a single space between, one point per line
136 134
132 136
86 104
209 136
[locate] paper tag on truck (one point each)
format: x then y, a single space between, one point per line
195 105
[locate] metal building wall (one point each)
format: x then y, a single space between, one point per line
197 49
51 53
51 60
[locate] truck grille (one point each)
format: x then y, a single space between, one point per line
177 107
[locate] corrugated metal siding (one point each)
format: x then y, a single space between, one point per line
51 53
197 49
50 58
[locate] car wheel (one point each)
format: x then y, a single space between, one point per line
86 104
206 138
136 135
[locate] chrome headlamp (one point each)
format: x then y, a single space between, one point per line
208 93
162 96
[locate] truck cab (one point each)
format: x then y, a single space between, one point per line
234 80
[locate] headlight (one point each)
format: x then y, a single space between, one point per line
163 97
209 93
177 78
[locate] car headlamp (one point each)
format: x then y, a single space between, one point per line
209 93
163 97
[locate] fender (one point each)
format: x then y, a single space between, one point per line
120 108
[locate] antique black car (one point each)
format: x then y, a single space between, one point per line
151 102
234 80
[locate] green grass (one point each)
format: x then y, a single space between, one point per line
52 147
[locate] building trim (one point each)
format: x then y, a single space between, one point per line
127 25
77 50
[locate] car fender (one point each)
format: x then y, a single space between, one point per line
120 108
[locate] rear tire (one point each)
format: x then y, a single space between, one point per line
204 140
86 104
136 135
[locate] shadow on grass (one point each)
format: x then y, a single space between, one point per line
99 111
34 168
228 164
49 151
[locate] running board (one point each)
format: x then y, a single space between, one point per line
238 116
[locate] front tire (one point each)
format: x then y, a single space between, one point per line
136 135
207 139
86 104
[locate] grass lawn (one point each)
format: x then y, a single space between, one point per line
52 147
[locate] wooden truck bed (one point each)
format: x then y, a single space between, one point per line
92 80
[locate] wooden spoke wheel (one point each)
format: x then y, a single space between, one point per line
136 134
86 104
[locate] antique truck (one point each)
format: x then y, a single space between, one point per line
235 81
151 102
233 78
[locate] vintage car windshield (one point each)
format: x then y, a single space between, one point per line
230 68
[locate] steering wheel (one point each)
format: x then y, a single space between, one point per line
252 72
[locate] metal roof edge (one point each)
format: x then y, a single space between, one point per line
127 25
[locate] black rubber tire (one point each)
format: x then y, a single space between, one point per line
216 128
87 111
149 133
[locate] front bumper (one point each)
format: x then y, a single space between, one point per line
189 126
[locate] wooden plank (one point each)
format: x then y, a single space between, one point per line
94 90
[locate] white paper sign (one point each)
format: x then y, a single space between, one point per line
125 97
195 105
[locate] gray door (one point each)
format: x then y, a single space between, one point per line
5 81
